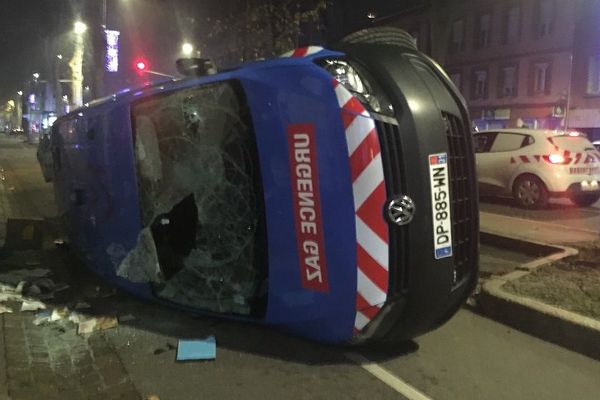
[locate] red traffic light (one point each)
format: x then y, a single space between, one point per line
141 65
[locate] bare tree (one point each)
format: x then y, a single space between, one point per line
259 29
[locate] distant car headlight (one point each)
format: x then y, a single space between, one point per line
358 85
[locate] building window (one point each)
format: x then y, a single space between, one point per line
511 26
480 84
593 81
508 82
545 10
457 36
483 32
541 78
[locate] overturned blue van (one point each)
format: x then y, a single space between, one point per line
330 193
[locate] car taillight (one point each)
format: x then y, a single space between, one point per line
557 159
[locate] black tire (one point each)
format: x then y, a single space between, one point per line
530 192
584 199
382 35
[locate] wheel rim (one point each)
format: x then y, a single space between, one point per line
529 192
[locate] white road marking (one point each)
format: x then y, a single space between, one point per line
387 377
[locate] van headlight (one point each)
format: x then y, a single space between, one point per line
357 84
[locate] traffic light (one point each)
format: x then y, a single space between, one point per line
141 65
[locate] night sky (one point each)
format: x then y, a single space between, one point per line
26 25
23 25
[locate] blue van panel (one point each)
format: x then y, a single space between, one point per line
280 98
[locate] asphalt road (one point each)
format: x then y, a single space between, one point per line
470 357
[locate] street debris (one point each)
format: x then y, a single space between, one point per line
197 349
97 324
161 350
126 318
42 317
32 305
5 309
59 313
82 305
77 317
152 397
14 277
29 286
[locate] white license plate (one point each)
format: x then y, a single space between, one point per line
440 205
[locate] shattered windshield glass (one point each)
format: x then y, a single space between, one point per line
200 199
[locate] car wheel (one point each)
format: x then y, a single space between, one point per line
584 199
382 35
530 192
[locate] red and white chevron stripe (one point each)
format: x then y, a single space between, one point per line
302 51
368 187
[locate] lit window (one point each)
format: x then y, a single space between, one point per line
540 82
480 89
509 81
593 81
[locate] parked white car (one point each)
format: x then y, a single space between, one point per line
533 165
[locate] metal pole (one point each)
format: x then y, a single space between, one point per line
104 11
569 92
573 38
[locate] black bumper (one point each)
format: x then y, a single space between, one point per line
429 117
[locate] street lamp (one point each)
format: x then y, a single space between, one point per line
76 63
79 28
187 49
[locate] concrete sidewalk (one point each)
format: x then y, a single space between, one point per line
47 361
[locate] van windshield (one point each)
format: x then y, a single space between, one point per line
201 198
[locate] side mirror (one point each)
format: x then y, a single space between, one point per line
195 66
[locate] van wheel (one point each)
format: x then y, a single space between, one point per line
530 192
584 199
382 35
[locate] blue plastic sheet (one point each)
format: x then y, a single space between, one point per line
197 349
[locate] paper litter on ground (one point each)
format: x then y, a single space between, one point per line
32 305
97 324
5 309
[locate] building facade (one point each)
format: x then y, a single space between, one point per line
528 63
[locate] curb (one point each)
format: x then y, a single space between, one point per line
552 324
